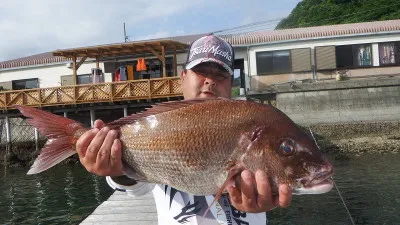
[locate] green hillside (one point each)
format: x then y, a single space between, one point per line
309 13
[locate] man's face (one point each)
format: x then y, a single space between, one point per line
207 80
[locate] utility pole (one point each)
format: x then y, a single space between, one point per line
125 37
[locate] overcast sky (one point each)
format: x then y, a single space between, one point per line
32 27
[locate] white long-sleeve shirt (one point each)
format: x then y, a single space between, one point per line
176 207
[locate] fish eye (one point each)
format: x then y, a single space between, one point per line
287 148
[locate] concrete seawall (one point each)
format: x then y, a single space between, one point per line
352 116
337 102
343 102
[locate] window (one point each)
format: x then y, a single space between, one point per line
25 84
273 62
88 78
386 54
389 53
353 56
344 56
281 62
363 55
85 79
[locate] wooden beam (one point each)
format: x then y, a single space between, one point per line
163 61
137 44
156 54
81 62
74 73
174 66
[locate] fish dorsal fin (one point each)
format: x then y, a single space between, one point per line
157 109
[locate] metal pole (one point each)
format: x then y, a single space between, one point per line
313 68
8 131
8 145
37 140
125 37
125 111
92 117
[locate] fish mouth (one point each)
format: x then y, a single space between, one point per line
317 184
320 188
320 178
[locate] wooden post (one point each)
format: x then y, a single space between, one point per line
74 74
175 64
97 62
163 61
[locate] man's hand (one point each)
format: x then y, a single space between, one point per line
255 195
99 151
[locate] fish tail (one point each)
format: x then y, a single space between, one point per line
62 134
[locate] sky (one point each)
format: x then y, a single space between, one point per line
33 27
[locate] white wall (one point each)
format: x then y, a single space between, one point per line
241 53
344 40
48 75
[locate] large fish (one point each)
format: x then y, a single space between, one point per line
199 146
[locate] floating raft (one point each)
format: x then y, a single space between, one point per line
121 209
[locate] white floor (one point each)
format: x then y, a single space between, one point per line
123 209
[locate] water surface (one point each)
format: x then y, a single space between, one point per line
67 194
369 185
64 194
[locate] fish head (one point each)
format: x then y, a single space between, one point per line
288 155
302 164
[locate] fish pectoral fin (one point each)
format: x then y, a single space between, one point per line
131 173
230 181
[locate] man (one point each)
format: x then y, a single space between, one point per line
207 74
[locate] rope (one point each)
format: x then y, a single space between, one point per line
334 183
344 203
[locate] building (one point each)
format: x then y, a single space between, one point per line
268 63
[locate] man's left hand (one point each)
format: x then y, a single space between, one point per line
255 194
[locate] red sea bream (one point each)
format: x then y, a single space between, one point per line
200 146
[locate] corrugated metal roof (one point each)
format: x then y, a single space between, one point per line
249 38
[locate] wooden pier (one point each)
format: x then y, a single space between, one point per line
145 89
122 209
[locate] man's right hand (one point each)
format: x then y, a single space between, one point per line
99 150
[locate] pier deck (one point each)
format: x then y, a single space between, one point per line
121 209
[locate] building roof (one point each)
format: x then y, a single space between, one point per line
313 32
242 39
43 58
126 48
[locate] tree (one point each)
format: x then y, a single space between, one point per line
309 13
